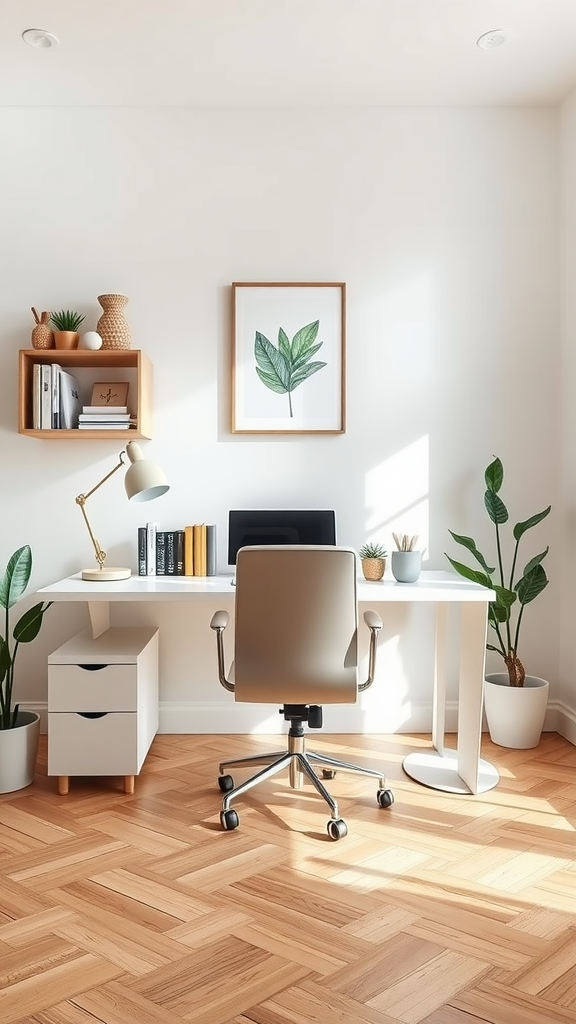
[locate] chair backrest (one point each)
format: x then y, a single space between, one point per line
296 625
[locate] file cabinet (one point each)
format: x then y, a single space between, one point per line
102 704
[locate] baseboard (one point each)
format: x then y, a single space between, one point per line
210 719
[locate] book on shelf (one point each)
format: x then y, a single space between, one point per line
199 543
108 425
211 549
151 530
104 417
188 551
104 410
36 396
161 552
55 383
46 397
142 561
69 400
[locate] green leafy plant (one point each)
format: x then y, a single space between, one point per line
282 369
513 592
12 586
66 320
372 550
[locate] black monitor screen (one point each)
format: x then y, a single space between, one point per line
288 526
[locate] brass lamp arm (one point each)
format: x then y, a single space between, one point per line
81 501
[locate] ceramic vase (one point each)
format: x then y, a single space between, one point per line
112 326
515 714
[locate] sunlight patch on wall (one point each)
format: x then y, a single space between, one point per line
397 495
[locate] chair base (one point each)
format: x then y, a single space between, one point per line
301 764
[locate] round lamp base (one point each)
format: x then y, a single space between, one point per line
106 575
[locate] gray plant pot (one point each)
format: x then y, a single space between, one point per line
18 752
406 566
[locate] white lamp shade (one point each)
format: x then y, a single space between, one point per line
144 480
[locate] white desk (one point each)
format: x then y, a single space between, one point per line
455 771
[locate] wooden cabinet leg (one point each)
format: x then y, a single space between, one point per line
63 784
129 784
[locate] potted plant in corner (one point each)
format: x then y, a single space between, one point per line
373 558
515 702
19 730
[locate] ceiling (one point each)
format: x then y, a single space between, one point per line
302 53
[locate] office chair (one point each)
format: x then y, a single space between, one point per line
295 643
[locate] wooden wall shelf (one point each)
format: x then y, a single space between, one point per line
90 367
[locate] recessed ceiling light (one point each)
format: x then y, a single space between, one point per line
490 40
40 38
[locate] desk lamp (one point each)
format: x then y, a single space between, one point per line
144 480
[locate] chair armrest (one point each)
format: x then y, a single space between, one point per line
219 620
374 623
218 623
372 620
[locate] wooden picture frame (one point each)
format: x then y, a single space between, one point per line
278 387
110 393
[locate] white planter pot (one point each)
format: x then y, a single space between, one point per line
18 752
515 714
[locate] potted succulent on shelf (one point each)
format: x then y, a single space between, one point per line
19 730
515 702
373 558
66 323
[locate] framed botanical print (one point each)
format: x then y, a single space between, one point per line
288 358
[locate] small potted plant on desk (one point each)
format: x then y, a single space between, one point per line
66 323
515 703
19 730
373 558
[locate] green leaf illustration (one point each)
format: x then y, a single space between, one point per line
282 369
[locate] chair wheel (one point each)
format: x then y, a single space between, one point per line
229 820
226 783
337 828
328 773
385 797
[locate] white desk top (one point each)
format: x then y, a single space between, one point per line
432 586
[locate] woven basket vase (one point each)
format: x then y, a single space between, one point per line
112 326
42 336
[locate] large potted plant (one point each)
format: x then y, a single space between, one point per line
19 730
515 702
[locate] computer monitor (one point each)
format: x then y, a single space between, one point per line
279 526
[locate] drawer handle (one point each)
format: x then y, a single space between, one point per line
92 714
92 668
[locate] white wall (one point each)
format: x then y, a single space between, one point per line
567 524
444 225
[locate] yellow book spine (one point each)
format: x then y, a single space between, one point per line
199 544
188 550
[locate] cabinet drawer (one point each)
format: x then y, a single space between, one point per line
93 746
92 688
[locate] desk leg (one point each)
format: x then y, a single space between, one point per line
99 612
461 771
478 775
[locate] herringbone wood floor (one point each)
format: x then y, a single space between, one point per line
441 910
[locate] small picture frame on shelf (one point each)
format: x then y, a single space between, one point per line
110 393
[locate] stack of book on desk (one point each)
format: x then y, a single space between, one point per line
190 551
104 417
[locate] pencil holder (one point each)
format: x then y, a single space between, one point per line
406 566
